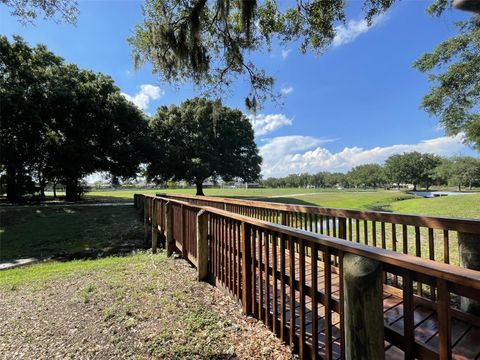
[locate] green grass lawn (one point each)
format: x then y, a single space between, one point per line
65 230
467 206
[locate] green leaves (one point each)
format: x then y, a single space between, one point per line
61 122
212 42
411 168
29 10
453 68
201 139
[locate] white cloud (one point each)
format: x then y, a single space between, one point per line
349 32
285 53
286 90
297 154
264 124
147 92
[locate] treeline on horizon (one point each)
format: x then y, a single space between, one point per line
400 170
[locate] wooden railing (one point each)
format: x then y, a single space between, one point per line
429 237
295 280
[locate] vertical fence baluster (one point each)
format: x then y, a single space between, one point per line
282 289
253 239
275 285
357 229
446 247
246 269
444 325
240 255
302 280
431 254
418 253
365 231
350 235
260 271
394 248
267 280
328 309
408 316
431 244
405 238
342 296
230 255
314 277
291 259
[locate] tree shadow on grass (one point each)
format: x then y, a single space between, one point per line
69 232
281 200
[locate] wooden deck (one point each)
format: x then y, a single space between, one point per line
465 334
250 258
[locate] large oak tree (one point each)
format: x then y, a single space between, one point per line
412 168
201 139
61 123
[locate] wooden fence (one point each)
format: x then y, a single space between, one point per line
299 283
434 238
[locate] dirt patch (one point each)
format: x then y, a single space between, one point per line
145 308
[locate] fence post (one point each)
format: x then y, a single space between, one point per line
283 217
140 205
154 227
246 268
363 308
342 228
146 225
469 253
169 228
202 245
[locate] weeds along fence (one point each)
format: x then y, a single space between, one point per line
326 297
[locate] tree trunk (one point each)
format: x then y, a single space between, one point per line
459 187
72 190
54 190
42 184
13 187
199 185
414 187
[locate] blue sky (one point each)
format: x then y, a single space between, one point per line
357 103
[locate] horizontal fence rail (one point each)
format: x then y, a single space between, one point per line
298 282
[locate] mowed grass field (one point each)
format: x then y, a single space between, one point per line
466 206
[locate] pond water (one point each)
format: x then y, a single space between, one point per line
432 194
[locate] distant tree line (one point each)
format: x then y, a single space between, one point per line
414 168
60 123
